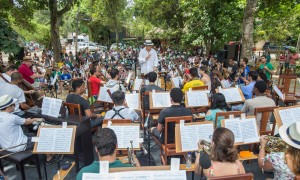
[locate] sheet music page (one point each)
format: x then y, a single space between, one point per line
197 98
51 106
249 130
288 117
55 140
205 131
62 139
231 95
133 100
176 82
278 92
125 134
103 95
137 175
137 84
234 126
97 176
129 77
188 143
296 113
161 100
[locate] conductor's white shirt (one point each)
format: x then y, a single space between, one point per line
148 65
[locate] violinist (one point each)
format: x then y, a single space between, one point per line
231 69
26 71
192 80
243 71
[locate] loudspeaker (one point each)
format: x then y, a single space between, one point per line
232 51
222 56
20 54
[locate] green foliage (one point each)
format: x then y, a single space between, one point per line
9 39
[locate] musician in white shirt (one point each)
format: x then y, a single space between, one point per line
148 58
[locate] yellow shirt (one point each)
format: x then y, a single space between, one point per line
191 84
60 64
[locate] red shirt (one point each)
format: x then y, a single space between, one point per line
26 73
95 84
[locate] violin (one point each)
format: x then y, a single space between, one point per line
31 99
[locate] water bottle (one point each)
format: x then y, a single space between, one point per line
189 160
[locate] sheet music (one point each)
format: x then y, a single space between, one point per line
51 106
133 100
188 143
199 132
55 140
125 134
129 77
197 98
289 116
137 175
249 130
103 95
231 94
137 84
278 92
234 126
205 131
176 82
161 100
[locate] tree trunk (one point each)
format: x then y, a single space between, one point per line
298 44
55 20
249 12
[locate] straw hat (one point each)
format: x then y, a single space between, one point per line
291 134
148 43
6 101
27 58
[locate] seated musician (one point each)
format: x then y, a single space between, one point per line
106 148
95 81
120 110
114 82
244 71
9 70
13 90
175 110
27 72
218 105
260 100
231 69
78 86
151 76
224 159
11 133
192 80
65 79
205 77
248 89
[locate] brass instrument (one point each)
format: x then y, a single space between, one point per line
131 154
206 147
275 144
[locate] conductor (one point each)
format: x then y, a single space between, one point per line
148 58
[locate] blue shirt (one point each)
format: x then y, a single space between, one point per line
244 74
65 77
212 116
248 90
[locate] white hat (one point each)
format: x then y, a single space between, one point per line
291 134
6 101
148 42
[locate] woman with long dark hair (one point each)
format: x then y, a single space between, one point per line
218 104
224 155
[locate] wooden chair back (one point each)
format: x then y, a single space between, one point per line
287 82
226 115
200 88
265 113
146 111
248 176
89 88
169 149
117 121
73 108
